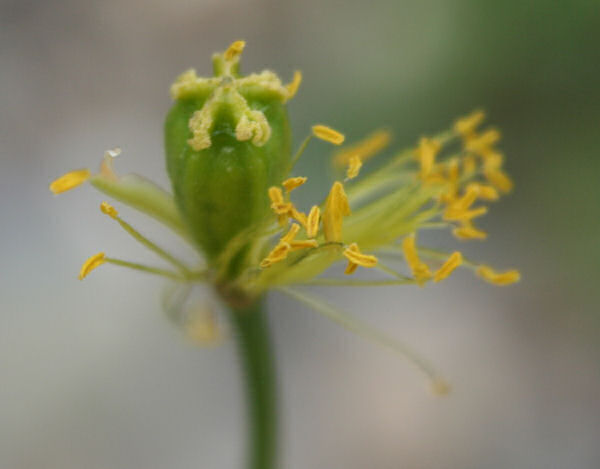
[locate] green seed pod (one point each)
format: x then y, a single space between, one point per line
227 140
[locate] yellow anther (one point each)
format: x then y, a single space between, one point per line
448 267
365 149
468 231
109 210
498 278
328 134
282 208
466 125
95 261
500 180
234 50
356 258
312 222
292 183
426 153
354 166
482 143
291 234
466 200
464 215
469 166
297 215
292 87
453 170
69 181
277 254
419 269
484 191
336 208
304 244
276 195
492 159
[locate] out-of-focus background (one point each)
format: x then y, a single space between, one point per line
92 375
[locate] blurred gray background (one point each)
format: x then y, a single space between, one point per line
92 374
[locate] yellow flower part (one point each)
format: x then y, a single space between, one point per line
484 191
69 181
500 180
291 235
277 254
109 210
234 50
498 278
365 149
419 269
95 261
481 143
297 215
468 231
468 124
454 261
464 215
336 208
292 87
354 166
466 200
304 244
426 153
328 134
312 222
292 183
275 195
356 258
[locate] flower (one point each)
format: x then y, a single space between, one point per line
231 169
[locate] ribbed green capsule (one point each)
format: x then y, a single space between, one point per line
227 140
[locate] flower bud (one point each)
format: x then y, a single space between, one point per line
227 140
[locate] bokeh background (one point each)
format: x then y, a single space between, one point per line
92 375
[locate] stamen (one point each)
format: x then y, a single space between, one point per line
365 149
276 195
336 208
500 180
483 142
234 50
289 237
498 278
426 153
292 87
354 166
277 254
95 261
466 125
448 267
304 244
356 258
484 191
463 215
419 269
109 210
328 134
312 222
468 231
292 183
69 181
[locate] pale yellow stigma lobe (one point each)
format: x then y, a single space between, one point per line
292 183
328 134
312 222
356 258
234 50
109 210
95 261
354 166
69 181
498 278
336 208
419 269
292 87
454 261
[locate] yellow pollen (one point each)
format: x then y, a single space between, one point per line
484 191
466 200
275 195
426 153
291 235
304 244
468 231
448 267
292 87
69 181
365 149
234 50
482 143
282 208
419 269
468 124
356 258
498 278
336 208
328 134
95 261
500 180
278 254
297 215
109 210
354 166
464 215
292 183
312 222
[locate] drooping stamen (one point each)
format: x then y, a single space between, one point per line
448 267
94 261
498 278
69 181
328 134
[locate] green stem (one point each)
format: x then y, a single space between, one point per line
256 359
